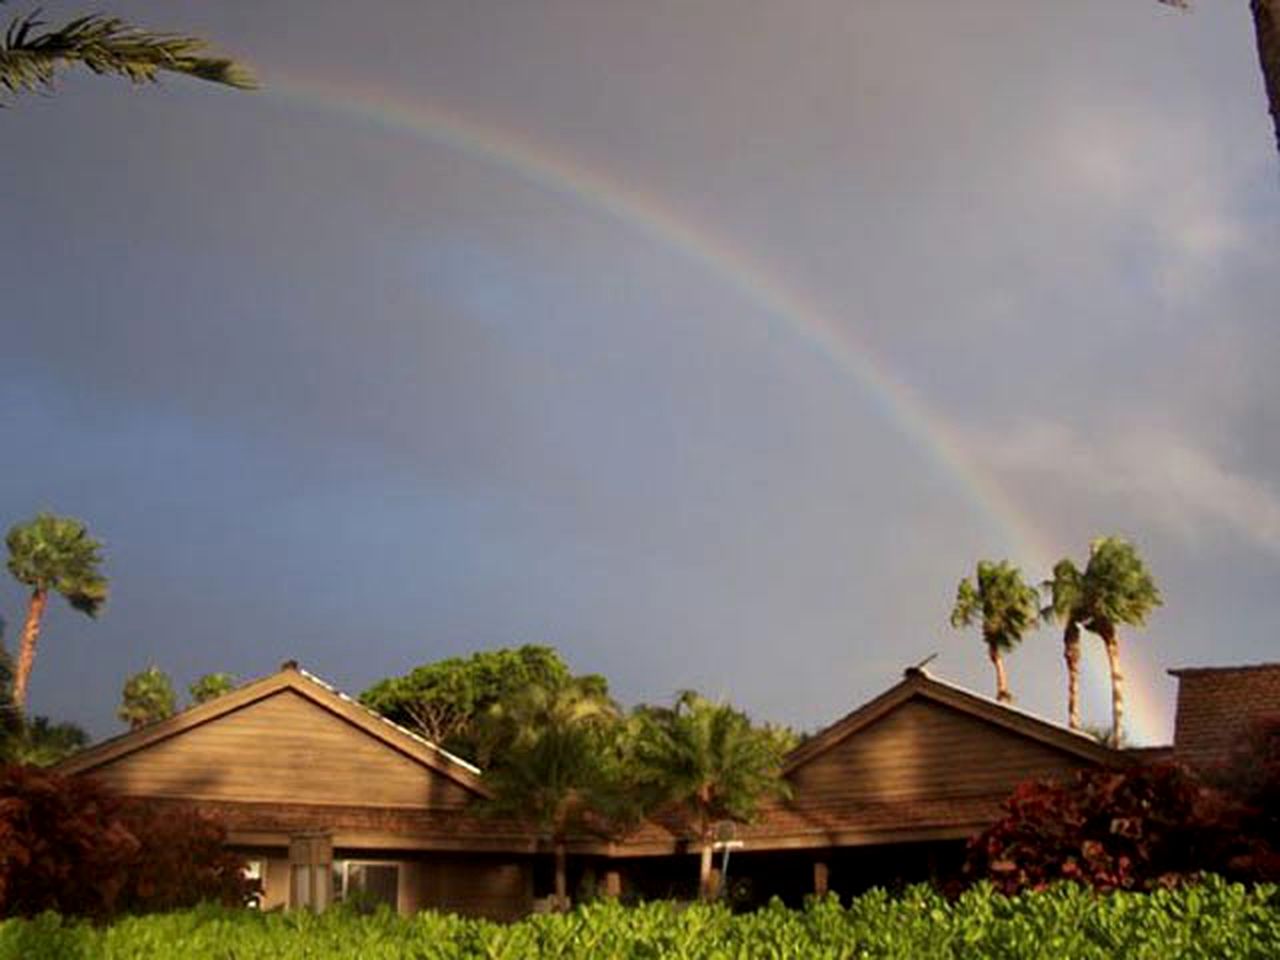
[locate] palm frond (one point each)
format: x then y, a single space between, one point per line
31 54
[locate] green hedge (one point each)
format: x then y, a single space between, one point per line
1215 920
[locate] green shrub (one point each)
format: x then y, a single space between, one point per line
1213 920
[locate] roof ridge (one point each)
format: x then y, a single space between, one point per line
950 685
451 757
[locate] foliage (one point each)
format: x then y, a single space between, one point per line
1003 606
31 56
211 686
1214 920
1128 829
707 760
39 742
68 844
147 698
547 745
1116 587
444 700
56 554
1252 777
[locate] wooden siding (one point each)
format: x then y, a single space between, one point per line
473 886
923 750
281 749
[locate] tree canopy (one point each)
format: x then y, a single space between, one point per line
147 698
210 686
708 760
444 700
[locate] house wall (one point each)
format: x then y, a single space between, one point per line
282 749
924 750
1216 706
495 887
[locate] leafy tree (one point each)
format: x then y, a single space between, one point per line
211 686
147 698
444 700
709 760
1003 606
1117 589
52 554
551 743
1066 605
32 55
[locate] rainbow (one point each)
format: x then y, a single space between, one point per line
431 122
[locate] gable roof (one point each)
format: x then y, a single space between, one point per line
917 684
290 677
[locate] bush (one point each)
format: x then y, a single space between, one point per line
1214 920
1251 777
1131 829
70 845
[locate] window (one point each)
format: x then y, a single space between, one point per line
366 883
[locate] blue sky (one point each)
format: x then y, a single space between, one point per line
331 391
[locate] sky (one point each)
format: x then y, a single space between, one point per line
709 343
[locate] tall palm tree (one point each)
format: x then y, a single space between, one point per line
1117 589
1066 596
1266 23
709 759
1003 606
1266 28
31 56
549 746
52 554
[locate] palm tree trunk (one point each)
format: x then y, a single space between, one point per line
27 648
704 872
1112 643
1071 653
562 879
1266 23
1002 681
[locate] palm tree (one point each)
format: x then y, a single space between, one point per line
1004 606
147 698
1266 24
549 745
709 759
1117 589
1266 27
1066 593
31 56
52 554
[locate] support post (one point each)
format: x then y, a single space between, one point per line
612 884
821 878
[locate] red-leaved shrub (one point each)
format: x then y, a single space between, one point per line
70 845
1251 777
1129 829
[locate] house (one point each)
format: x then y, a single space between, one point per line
326 799
891 792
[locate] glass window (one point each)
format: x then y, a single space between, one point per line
367 884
